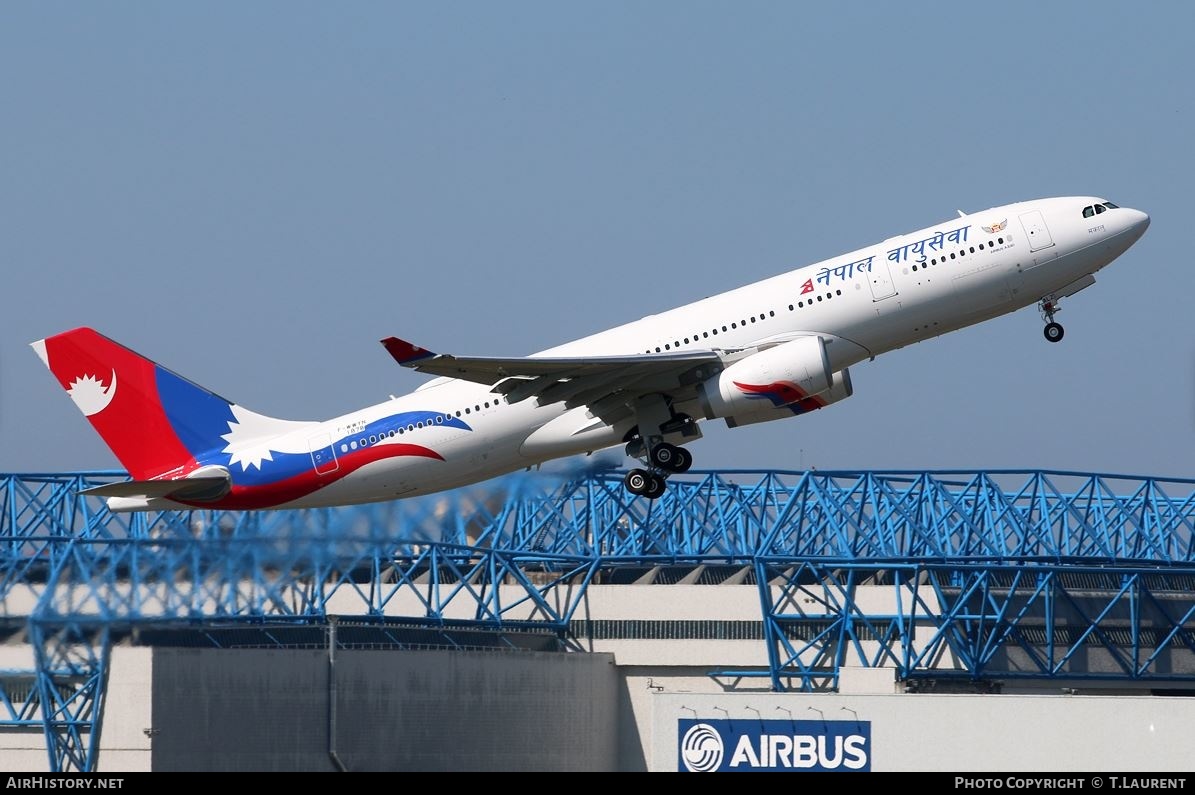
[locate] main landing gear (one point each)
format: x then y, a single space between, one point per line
1053 331
657 420
666 459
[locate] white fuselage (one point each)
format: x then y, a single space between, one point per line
863 303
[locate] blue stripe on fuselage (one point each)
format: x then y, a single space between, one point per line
282 466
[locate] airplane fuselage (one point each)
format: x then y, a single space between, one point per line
862 304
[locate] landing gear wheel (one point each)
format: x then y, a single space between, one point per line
655 488
671 457
1053 332
637 481
665 456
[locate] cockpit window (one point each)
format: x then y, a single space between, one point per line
1091 210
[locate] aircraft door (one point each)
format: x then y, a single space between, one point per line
881 281
323 455
1036 230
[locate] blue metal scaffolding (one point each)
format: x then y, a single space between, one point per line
993 575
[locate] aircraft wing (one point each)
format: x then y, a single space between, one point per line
608 385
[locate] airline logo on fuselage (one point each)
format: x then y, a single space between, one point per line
708 746
916 251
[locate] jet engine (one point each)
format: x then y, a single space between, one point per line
773 378
839 389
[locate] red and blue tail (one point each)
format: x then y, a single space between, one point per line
156 422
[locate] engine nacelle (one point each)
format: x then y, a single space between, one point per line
779 376
839 389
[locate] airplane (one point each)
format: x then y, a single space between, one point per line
771 350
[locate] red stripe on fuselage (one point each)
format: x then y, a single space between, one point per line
243 498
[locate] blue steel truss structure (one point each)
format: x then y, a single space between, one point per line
994 575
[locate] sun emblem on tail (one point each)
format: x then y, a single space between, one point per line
90 394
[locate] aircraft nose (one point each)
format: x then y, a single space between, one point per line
1138 221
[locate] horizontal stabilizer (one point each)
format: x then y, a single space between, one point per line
208 487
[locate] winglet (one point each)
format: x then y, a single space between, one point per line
404 352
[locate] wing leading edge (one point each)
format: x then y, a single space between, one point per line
607 385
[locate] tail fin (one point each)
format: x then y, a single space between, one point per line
156 422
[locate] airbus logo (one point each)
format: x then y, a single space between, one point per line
702 749
712 745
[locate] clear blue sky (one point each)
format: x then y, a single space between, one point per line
255 193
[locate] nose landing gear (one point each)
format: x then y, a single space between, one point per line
1053 331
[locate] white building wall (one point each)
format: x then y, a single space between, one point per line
964 733
123 745
128 712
